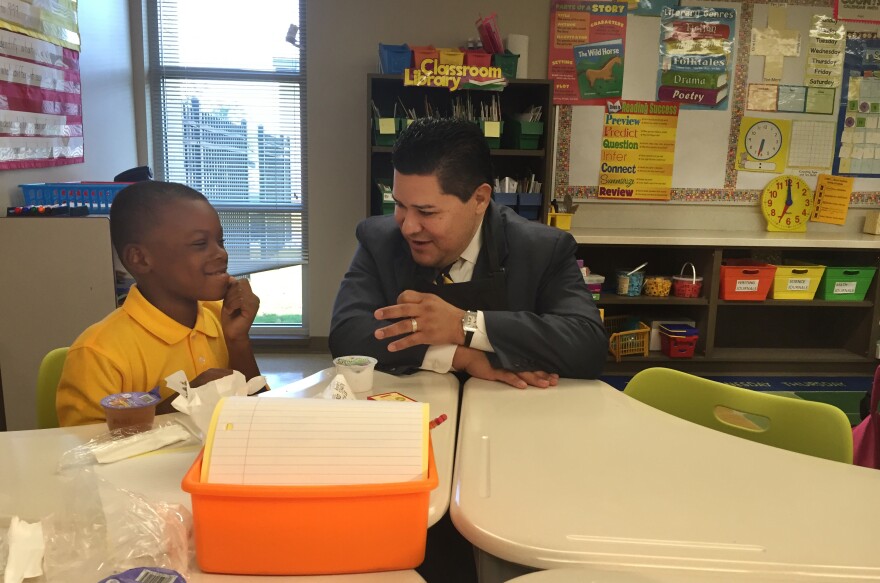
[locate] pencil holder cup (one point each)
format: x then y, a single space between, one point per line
560 220
630 284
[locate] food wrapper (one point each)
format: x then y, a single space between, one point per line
199 402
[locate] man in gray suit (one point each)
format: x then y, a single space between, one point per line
454 281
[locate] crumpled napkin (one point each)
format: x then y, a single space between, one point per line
199 402
26 549
337 389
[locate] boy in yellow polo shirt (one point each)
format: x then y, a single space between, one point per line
184 313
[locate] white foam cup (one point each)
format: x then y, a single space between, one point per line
357 370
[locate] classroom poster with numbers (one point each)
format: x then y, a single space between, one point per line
858 125
40 94
586 53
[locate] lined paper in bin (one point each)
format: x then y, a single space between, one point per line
296 442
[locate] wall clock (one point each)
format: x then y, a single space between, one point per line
787 203
763 144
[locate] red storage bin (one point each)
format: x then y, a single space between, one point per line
678 340
745 279
477 58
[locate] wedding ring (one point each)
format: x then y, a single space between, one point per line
415 325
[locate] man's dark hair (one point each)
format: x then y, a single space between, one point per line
452 149
136 208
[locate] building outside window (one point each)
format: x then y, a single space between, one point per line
228 119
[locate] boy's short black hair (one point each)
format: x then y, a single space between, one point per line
135 209
452 149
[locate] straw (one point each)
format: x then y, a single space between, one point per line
638 268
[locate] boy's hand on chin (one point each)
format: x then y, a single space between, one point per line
240 306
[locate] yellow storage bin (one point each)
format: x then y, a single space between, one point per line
451 57
796 282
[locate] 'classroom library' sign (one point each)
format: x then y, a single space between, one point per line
433 73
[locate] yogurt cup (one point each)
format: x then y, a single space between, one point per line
357 370
135 410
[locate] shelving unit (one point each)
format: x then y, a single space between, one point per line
743 337
517 97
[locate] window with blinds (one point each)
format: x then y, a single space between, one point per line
227 92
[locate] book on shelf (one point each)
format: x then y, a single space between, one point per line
693 79
692 95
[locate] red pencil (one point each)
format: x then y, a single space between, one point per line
437 421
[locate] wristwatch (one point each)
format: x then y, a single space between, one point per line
469 325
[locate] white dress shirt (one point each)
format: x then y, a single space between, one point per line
439 357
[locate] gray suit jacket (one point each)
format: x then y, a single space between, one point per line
552 323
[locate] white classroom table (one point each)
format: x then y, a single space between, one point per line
583 475
31 489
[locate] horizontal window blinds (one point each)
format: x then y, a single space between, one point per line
228 119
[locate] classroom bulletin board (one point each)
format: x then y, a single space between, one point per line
705 168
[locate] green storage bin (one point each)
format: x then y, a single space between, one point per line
489 131
845 284
385 130
507 62
523 135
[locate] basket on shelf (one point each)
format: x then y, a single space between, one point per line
96 196
627 336
687 286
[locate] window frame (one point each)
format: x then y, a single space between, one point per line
154 76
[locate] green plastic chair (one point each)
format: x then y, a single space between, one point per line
808 427
47 383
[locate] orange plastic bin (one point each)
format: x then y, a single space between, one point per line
309 530
744 279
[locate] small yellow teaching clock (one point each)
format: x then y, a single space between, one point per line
787 203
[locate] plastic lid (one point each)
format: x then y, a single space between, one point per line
133 400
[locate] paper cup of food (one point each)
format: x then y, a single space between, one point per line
357 370
134 410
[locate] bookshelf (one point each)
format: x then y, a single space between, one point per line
772 336
517 97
